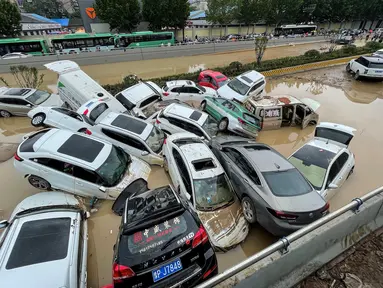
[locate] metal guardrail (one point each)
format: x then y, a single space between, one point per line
283 244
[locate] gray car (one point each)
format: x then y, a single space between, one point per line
272 191
19 101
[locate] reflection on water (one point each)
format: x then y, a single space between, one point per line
11 129
196 68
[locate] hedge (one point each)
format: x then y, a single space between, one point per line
236 68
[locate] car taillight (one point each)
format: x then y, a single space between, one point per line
88 132
240 120
326 207
165 93
165 140
86 112
282 215
18 158
158 121
209 272
200 237
121 272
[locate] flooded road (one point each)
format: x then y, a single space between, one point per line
343 100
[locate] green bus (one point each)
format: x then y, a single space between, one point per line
34 47
145 39
83 42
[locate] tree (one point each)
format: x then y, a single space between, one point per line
153 11
222 12
46 8
260 48
121 15
249 12
278 11
9 19
178 14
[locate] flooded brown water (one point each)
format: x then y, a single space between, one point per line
343 100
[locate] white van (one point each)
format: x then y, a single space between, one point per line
75 87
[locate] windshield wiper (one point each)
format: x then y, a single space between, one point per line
167 244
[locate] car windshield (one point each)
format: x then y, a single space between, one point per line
38 97
313 163
210 126
114 167
201 88
213 193
155 140
97 111
238 86
287 183
125 102
224 82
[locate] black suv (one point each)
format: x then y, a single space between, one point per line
161 242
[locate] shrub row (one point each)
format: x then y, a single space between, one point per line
236 68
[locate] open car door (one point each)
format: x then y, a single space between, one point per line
310 107
341 134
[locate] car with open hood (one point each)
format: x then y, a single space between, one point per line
161 241
274 112
326 161
272 191
200 179
77 163
44 243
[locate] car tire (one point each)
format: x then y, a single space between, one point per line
166 165
203 106
348 68
5 114
350 173
222 125
39 183
38 120
249 210
356 76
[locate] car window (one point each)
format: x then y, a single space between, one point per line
238 86
193 90
176 90
87 175
40 241
210 126
183 89
68 113
174 121
60 166
38 97
250 119
6 101
375 65
20 102
124 139
336 167
150 100
155 140
27 145
230 106
219 100
256 86
125 102
96 112
181 166
193 129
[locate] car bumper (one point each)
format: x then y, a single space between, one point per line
243 132
372 76
231 239
278 227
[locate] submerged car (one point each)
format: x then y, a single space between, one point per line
19 101
186 90
77 163
46 232
200 179
366 67
326 161
272 191
274 112
161 241
212 79
231 116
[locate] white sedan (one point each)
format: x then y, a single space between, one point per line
378 53
326 160
59 117
186 90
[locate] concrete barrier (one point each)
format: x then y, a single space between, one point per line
310 252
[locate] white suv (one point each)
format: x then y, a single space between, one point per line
366 66
77 163
45 243
179 118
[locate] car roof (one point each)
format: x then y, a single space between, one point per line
213 73
138 92
253 75
180 83
325 145
128 124
186 113
16 92
199 151
278 100
373 59
54 139
265 158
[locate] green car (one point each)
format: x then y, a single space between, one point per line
231 116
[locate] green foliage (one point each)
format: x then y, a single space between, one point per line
312 53
46 8
349 49
374 45
222 11
281 11
260 48
249 11
121 15
9 19
26 77
166 13
236 68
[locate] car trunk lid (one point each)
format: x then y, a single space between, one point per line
338 133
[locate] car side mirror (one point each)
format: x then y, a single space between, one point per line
102 189
202 138
3 224
188 196
29 105
332 186
144 153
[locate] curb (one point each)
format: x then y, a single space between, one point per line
309 66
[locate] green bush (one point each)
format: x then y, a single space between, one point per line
312 53
374 45
236 68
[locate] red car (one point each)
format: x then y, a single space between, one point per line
212 79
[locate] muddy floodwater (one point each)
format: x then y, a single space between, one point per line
343 100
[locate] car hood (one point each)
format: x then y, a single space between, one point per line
226 92
226 227
53 100
137 169
210 91
311 201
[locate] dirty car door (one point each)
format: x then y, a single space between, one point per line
272 118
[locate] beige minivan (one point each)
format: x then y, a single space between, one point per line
274 112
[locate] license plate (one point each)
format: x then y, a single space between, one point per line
167 270
377 71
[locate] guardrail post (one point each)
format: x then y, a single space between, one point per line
286 244
360 202
142 54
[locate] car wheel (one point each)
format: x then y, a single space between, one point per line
348 68
356 76
249 210
203 106
350 173
166 165
38 120
222 125
39 183
5 114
